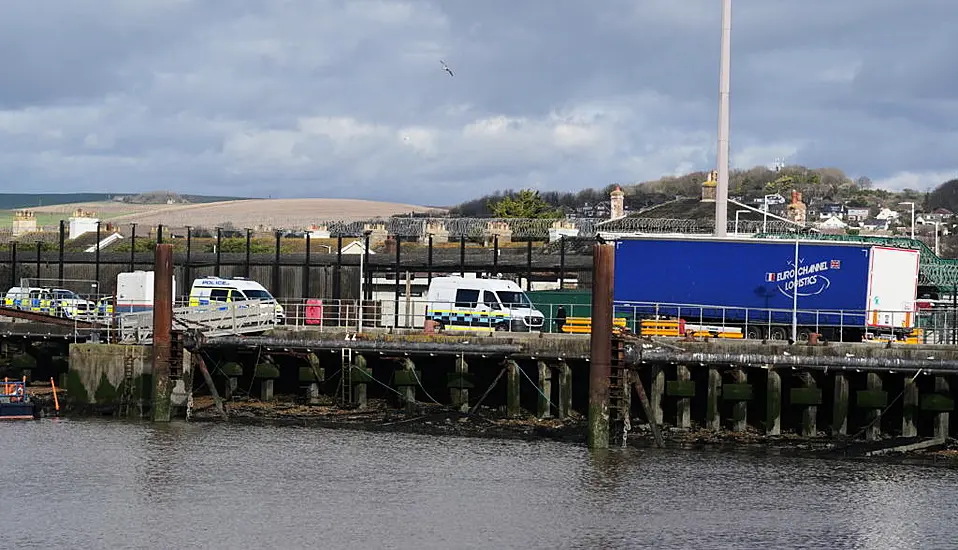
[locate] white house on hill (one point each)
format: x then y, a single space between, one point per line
355 247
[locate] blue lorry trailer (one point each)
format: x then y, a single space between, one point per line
844 289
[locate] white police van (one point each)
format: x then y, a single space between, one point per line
211 290
470 304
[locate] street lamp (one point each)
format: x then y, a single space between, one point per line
737 212
722 154
937 224
912 217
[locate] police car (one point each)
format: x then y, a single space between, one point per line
57 301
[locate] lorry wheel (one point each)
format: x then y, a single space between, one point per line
777 333
754 333
803 334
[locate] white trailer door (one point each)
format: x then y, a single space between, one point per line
892 287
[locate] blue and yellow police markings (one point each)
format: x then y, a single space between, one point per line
469 319
37 304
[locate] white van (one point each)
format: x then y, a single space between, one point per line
236 289
467 304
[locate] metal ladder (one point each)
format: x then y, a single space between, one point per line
129 384
620 395
346 357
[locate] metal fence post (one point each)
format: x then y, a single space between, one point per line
13 263
396 293
189 253
60 257
219 243
306 267
132 247
276 274
97 246
249 236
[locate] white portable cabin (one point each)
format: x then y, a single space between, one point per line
134 291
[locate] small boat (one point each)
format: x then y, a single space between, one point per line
15 402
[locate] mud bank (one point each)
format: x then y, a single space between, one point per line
382 416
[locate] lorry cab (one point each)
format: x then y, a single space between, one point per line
468 304
212 290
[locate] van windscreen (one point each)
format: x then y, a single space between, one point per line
255 294
511 298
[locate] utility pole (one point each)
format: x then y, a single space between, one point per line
721 188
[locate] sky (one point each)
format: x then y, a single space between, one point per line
348 99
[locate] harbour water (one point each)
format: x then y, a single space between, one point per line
109 484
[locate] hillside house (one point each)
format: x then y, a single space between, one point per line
601 209
833 223
874 224
831 210
856 214
887 214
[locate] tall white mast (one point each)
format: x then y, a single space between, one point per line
721 188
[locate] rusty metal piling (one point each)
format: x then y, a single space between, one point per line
162 328
600 368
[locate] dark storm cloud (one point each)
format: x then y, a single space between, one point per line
348 98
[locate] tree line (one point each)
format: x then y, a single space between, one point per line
817 185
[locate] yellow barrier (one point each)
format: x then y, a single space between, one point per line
671 327
583 325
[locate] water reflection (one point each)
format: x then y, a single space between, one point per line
107 484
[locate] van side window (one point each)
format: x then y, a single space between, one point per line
467 297
219 294
490 300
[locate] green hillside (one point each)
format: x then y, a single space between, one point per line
13 201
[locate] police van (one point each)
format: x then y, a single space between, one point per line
469 304
211 290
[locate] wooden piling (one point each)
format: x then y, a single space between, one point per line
600 367
545 390
655 394
162 329
209 383
408 391
811 398
266 389
873 429
840 406
358 375
713 417
909 408
459 394
942 417
773 403
740 408
683 407
513 408
564 405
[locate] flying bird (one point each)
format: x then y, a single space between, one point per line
446 67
